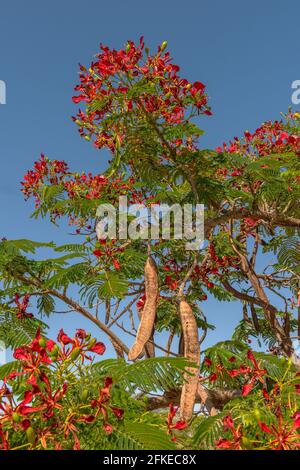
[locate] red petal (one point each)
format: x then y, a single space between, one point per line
98 348
207 362
247 389
264 427
180 425
108 428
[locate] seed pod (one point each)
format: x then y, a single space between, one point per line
149 311
192 353
149 349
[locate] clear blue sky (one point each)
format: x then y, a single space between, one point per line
247 53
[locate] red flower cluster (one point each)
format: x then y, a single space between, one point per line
270 137
54 172
214 265
45 170
102 405
130 82
237 435
285 436
253 374
284 432
41 412
78 346
93 186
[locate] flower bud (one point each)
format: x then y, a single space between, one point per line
54 352
75 353
30 434
92 342
16 417
84 395
42 342
163 46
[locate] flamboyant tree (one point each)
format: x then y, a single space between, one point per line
136 105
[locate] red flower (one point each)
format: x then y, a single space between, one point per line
116 264
50 345
228 422
265 394
98 348
108 428
213 377
247 388
223 444
207 362
234 372
77 99
22 306
237 435
199 86
118 412
63 338
81 334
285 437
141 302
179 425
171 283
264 427
98 253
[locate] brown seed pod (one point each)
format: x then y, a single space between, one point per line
192 353
145 328
149 349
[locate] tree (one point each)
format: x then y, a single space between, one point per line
137 106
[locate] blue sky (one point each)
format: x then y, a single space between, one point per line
247 53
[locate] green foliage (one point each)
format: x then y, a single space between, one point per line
155 374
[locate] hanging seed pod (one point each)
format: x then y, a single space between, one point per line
145 328
149 349
192 353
